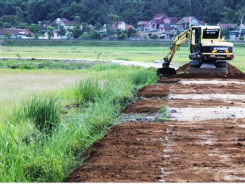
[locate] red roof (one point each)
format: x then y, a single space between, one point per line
202 22
159 16
129 26
115 27
227 25
174 20
14 31
143 22
169 29
158 21
187 19
64 21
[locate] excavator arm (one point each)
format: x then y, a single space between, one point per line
178 41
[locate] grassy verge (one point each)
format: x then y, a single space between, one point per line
126 52
44 139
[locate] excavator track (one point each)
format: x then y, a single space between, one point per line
218 68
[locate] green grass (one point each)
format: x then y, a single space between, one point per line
67 52
27 153
44 112
133 53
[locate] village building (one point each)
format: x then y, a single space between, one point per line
121 25
186 22
238 33
162 26
15 33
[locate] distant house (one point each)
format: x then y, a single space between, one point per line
224 26
163 26
121 25
21 33
67 24
141 25
187 22
240 31
62 22
159 23
173 22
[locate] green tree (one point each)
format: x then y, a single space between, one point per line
8 35
85 27
77 20
34 28
50 32
29 35
19 14
62 31
155 37
10 21
77 32
109 21
131 32
121 35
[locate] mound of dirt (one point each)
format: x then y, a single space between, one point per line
231 69
233 73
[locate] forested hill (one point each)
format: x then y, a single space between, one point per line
98 12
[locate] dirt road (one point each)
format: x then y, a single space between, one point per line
203 139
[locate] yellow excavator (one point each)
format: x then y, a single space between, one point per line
208 52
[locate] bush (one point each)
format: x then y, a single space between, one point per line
155 37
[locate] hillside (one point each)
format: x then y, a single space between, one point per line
100 12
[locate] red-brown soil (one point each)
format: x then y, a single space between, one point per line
233 73
174 150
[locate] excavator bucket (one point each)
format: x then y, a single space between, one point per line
165 72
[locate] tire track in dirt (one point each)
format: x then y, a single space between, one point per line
204 147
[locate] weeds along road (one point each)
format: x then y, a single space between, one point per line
155 64
202 140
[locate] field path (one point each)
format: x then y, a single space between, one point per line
203 139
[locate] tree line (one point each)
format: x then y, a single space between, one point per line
98 13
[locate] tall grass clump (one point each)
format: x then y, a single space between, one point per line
44 112
143 77
89 89
107 66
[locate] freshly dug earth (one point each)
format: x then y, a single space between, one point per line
207 148
233 73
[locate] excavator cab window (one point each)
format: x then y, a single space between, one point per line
211 33
196 39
